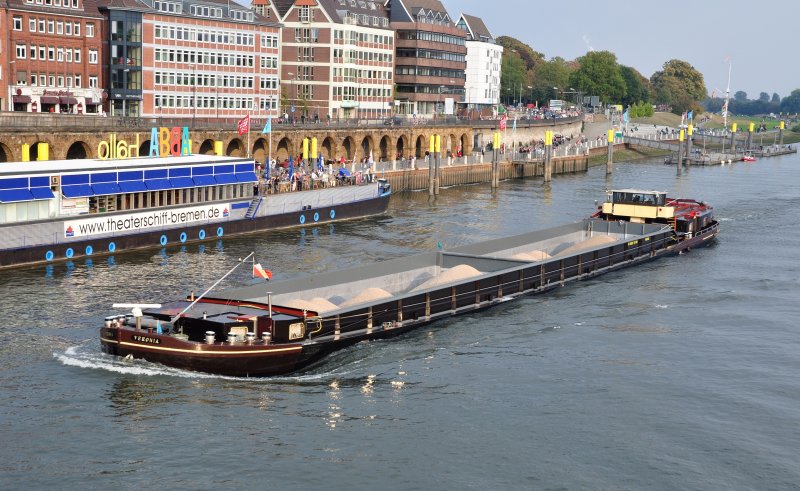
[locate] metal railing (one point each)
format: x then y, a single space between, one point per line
81 122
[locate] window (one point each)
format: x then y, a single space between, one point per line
21 52
51 53
92 81
77 56
92 56
77 28
33 51
77 81
60 28
42 53
68 29
60 55
51 26
17 23
41 25
32 24
89 30
68 57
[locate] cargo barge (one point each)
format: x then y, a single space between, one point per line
63 210
254 332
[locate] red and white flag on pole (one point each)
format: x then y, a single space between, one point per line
260 272
244 125
503 120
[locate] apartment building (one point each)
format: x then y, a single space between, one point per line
184 58
431 58
51 52
337 59
484 61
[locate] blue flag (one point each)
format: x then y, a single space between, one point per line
291 167
514 126
625 116
319 163
268 126
158 327
689 115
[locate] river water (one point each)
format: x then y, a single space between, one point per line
678 374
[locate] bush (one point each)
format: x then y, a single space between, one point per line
796 128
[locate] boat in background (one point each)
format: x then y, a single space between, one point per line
60 210
287 325
748 157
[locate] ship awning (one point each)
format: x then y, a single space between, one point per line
206 180
42 193
22 99
15 195
46 99
225 179
132 186
246 177
67 100
157 184
106 188
77 191
181 182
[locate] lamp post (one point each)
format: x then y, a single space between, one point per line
291 100
10 95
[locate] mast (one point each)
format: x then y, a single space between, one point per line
727 97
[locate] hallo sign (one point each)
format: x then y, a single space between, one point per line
164 142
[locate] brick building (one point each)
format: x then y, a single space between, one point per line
430 57
185 58
338 58
51 51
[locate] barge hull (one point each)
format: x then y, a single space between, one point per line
411 306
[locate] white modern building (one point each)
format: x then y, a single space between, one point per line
482 88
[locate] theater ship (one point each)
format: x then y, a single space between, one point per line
61 210
252 332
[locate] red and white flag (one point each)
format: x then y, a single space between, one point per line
260 272
503 120
244 125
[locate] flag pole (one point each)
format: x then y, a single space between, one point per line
248 135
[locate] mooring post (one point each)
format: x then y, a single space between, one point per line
548 155
680 151
436 173
734 127
750 136
689 131
780 132
431 145
610 161
495 159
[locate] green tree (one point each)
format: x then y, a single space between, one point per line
776 99
680 85
599 74
791 104
637 86
512 76
740 95
763 97
553 73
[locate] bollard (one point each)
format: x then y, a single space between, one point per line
733 137
431 145
780 132
548 156
438 162
610 161
680 151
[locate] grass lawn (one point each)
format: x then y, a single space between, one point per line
661 119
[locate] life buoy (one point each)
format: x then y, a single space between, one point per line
333 214
302 219
48 256
182 237
112 247
220 232
89 250
69 253
163 240
201 234
316 216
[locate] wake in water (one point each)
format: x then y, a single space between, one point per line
82 356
